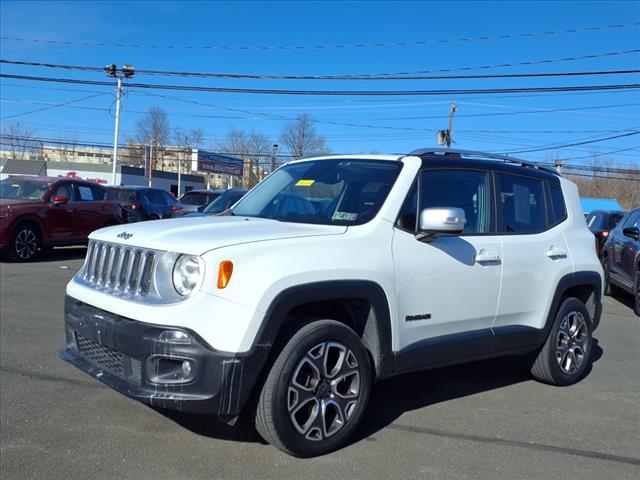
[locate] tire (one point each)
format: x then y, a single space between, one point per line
24 242
610 289
301 409
565 355
636 293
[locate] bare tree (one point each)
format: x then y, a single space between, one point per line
254 148
68 149
186 140
609 179
153 129
19 141
301 140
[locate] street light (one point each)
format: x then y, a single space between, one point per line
126 71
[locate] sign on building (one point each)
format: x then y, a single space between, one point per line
209 162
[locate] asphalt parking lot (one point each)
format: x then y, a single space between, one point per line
482 420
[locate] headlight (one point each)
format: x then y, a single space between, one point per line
187 272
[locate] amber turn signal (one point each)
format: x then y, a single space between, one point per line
224 273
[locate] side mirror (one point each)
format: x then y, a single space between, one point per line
201 208
440 221
632 232
59 200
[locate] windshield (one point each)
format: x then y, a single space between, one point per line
23 189
328 192
223 202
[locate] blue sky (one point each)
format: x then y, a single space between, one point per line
413 119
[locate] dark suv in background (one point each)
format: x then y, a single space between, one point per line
220 204
621 258
601 222
144 203
42 212
193 200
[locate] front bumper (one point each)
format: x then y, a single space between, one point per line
133 358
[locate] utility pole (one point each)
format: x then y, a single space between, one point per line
445 137
125 72
274 153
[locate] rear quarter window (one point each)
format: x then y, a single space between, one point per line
558 208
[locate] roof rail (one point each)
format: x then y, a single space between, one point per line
473 153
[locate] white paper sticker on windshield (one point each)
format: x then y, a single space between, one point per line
350 217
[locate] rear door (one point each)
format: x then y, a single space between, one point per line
535 253
91 209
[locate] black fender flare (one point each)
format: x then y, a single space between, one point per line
577 279
377 332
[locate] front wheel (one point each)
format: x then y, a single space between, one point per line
24 243
317 391
564 357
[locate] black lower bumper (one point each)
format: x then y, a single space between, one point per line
140 361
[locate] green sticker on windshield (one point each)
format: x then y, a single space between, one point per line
349 217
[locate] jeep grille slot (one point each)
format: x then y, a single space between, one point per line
118 269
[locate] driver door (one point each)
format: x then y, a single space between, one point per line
59 219
447 289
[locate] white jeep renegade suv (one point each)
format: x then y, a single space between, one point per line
331 274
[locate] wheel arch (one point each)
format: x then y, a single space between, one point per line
586 286
29 219
360 304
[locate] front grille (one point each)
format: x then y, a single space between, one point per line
109 359
119 269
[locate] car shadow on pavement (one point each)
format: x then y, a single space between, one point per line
391 398
210 426
57 255
626 300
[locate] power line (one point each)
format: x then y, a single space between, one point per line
384 76
322 47
605 153
57 105
264 91
576 143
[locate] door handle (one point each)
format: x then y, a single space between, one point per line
554 253
484 256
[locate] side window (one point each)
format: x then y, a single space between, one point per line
559 210
632 219
64 190
85 193
154 196
98 193
465 189
521 207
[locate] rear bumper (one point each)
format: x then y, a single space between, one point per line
134 359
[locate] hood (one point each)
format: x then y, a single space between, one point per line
197 235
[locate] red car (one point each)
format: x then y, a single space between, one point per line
41 212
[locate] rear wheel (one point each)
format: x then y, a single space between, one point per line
564 357
24 243
316 393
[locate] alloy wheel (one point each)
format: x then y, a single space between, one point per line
571 344
26 244
324 390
